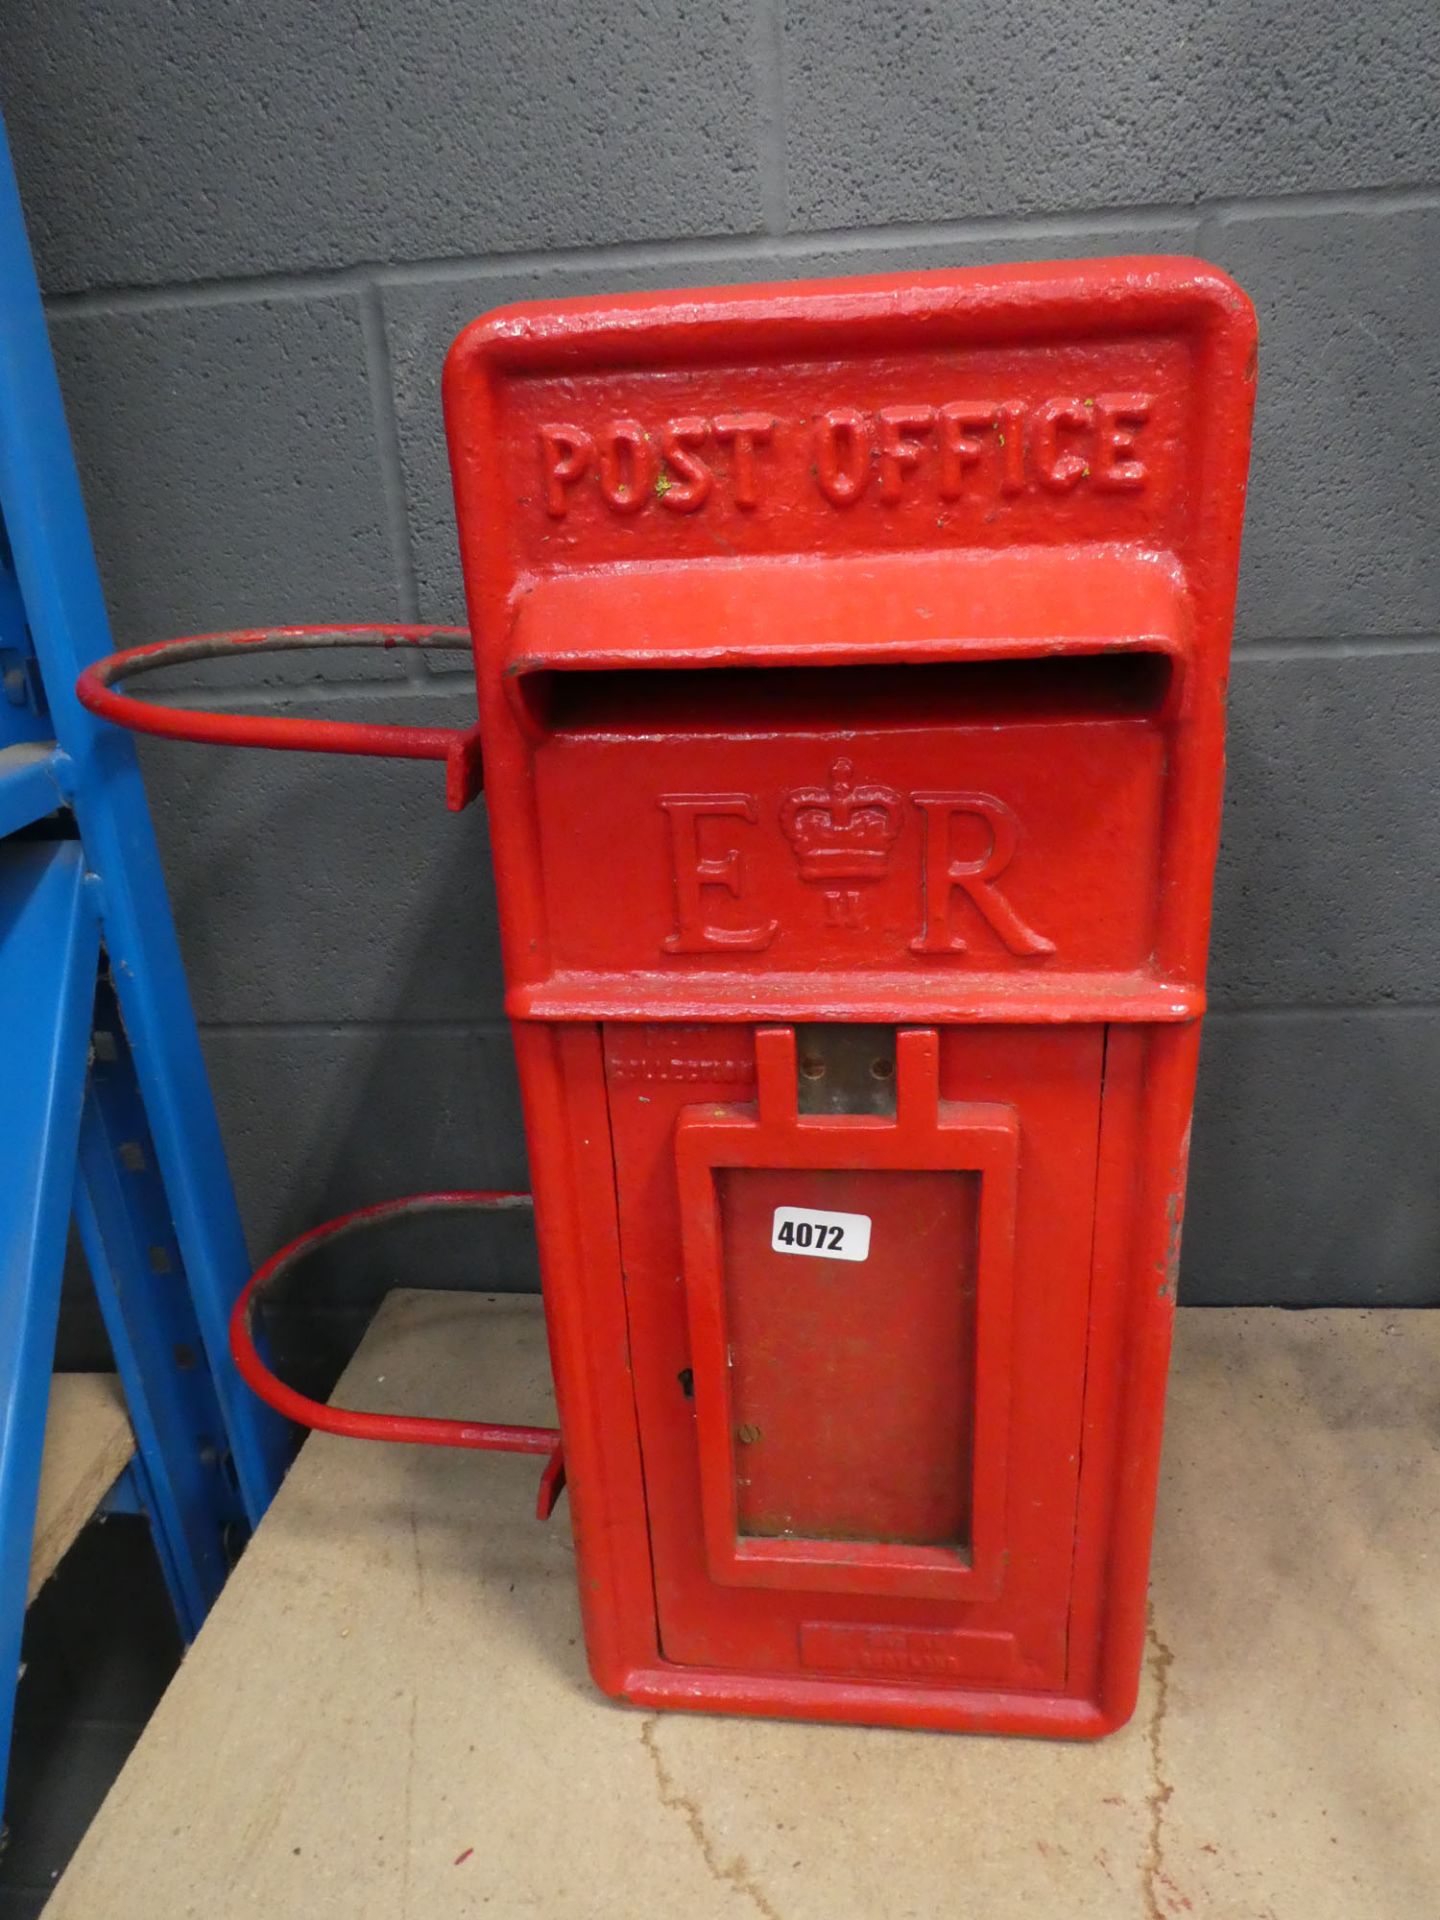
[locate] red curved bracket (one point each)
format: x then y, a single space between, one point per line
97 690
412 1429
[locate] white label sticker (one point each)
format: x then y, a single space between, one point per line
824 1236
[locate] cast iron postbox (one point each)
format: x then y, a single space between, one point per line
852 663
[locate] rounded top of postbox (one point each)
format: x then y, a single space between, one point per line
1062 404
1019 301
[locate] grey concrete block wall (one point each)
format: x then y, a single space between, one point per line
228 453
1345 491
184 145
260 229
901 113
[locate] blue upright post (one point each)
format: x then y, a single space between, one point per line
104 1104
48 949
94 768
184 1466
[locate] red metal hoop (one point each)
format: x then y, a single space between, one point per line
457 747
411 1429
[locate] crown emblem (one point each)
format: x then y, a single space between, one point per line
841 832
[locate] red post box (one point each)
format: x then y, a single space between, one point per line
852 664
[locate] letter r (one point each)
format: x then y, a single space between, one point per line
944 875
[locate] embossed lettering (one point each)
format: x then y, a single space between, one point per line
916 453
842 907
842 475
718 1055
899 454
695 871
960 421
1056 470
628 466
692 489
1010 432
745 432
1118 418
943 875
565 456
853 1647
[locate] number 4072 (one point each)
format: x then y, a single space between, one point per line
829 1236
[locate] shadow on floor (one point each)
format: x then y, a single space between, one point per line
100 1648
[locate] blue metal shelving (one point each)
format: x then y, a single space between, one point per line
105 1111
